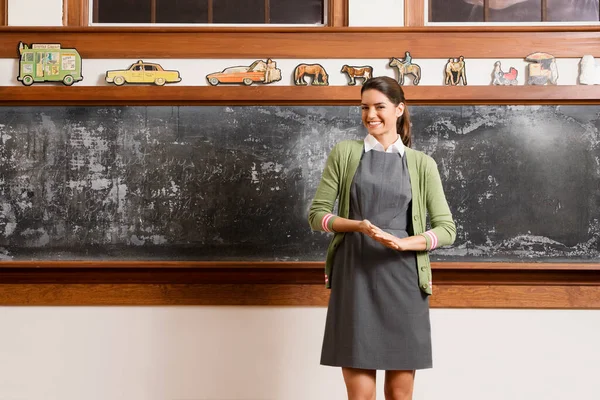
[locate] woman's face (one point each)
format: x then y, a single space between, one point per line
379 114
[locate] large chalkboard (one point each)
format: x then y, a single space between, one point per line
235 183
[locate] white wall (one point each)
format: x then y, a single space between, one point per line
35 12
375 12
243 353
218 353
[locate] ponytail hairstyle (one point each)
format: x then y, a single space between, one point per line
393 91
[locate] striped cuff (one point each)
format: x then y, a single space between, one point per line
432 239
325 222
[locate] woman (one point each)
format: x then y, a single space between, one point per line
377 262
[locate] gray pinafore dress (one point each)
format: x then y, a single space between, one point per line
377 318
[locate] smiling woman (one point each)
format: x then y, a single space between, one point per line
293 12
377 264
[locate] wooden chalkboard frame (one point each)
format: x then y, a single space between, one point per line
292 95
456 285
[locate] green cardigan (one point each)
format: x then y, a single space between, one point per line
427 198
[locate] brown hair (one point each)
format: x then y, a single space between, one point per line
393 91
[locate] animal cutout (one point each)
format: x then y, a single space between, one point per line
405 66
589 73
455 71
318 73
504 78
364 72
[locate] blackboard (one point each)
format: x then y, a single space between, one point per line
235 183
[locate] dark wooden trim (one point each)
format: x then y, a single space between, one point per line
95 14
456 284
246 272
544 15
337 13
153 11
3 12
414 13
425 42
37 265
75 13
516 296
290 95
267 12
444 296
486 10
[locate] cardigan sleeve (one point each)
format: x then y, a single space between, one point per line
320 215
443 229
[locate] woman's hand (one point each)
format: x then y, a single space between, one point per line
367 228
375 233
388 240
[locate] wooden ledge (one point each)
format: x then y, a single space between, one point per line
456 285
51 95
474 28
272 272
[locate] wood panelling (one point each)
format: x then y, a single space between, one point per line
516 296
3 12
75 13
473 285
444 296
43 94
308 42
414 13
238 272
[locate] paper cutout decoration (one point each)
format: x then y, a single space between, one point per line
259 71
142 72
504 78
405 66
365 72
589 71
316 71
543 69
455 71
48 62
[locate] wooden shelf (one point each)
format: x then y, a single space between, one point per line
283 273
289 95
472 285
319 43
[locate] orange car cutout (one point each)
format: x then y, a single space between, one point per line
143 72
259 71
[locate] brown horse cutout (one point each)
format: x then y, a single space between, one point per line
455 70
406 68
319 76
365 72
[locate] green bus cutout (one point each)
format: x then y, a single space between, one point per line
48 62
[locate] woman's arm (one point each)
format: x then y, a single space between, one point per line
319 215
350 225
411 243
443 228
